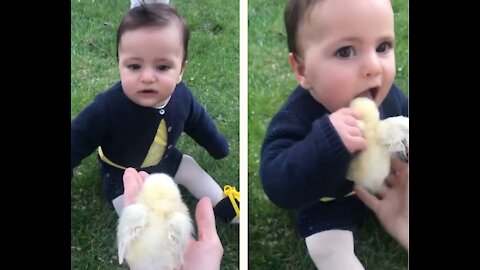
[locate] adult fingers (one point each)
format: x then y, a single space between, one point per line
130 175
399 174
206 221
398 165
132 183
369 199
143 176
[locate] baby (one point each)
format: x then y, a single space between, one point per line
339 50
138 120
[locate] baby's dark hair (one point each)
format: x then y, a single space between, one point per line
295 12
147 15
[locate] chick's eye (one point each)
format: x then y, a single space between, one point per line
384 47
345 52
163 67
133 66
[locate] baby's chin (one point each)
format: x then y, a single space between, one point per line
148 103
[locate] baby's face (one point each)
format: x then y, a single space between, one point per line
151 63
346 51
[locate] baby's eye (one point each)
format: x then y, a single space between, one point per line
345 52
133 66
163 67
384 47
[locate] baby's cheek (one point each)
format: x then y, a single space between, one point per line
337 97
169 85
128 85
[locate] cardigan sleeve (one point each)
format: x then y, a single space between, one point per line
88 130
301 164
201 128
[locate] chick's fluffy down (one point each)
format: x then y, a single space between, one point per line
154 232
371 166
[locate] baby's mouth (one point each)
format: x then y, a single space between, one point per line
370 93
147 91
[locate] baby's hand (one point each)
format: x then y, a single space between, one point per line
345 123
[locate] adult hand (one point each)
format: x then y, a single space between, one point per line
207 252
203 254
391 205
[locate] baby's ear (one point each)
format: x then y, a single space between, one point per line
180 76
298 68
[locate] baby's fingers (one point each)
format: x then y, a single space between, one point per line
355 143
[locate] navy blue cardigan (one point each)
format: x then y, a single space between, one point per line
303 158
126 130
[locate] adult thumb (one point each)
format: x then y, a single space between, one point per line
206 221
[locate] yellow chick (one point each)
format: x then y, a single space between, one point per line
154 232
371 166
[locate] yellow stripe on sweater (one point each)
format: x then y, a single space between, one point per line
328 199
108 161
157 148
155 152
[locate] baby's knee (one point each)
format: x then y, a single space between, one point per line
118 204
329 252
333 250
188 159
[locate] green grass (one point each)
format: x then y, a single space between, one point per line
273 240
212 74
